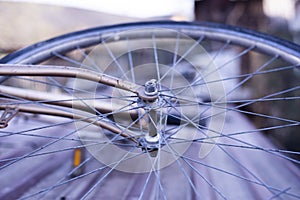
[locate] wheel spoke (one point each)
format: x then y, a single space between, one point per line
151 110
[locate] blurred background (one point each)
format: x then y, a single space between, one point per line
26 22
38 20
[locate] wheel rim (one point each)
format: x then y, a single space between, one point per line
220 102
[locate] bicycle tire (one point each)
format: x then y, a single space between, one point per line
201 175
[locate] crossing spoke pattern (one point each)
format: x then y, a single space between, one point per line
154 111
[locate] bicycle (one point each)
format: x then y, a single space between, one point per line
152 110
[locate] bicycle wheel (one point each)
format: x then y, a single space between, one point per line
155 110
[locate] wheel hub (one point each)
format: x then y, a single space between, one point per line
151 142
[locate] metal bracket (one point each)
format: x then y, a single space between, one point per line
7 115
